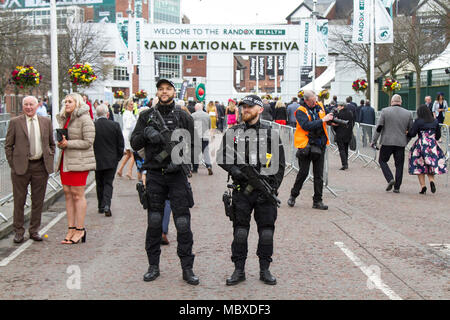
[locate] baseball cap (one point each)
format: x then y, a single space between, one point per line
251 100
165 81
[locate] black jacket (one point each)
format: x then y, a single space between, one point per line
238 131
174 118
267 113
367 115
421 125
280 114
344 133
108 144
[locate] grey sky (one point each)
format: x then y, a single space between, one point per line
238 11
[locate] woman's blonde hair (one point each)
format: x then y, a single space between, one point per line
279 104
127 102
231 105
77 98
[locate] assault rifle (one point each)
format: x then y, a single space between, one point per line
254 180
168 146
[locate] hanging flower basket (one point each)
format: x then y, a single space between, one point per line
142 94
324 95
82 75
300 94
25 77
360 85
119 94
390 85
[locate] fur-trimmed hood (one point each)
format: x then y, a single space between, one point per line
78 112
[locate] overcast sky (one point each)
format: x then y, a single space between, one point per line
238 11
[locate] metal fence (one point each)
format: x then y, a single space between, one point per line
287 139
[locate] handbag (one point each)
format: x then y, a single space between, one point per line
303 152
60 133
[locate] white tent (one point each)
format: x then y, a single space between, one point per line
441 62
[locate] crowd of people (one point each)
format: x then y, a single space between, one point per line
90 140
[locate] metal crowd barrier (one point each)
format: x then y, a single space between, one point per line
3 128
287 139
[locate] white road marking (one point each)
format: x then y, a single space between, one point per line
374 278
29 242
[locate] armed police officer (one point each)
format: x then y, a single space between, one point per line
257 172
311 139
166 177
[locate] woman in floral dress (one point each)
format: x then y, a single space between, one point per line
425 156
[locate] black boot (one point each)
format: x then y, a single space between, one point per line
190 277
237 276
152 273
266 277
319 205
291 201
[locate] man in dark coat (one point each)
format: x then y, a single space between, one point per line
344 133
367 117
108 149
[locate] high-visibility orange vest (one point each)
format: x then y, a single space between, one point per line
301 136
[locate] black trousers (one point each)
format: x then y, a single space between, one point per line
205 145
303 164
104 181
343 152
265 215
399 159
176 188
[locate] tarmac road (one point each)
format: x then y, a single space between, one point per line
396 240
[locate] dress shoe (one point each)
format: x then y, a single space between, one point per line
36 237
320 206
396 191
433 187
152 273
18 238
237 276
210 173
344 168
190 277
267 277
424 190
390 185
101 210
291 201
164 240
107 211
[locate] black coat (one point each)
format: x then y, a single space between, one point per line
344 133
280 114
108 144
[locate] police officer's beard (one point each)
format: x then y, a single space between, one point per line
249 116
168 101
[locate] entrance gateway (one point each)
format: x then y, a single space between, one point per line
220 43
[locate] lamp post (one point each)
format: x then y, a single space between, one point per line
130 14
54 61
314 27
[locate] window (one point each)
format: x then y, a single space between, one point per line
188 57
121 74
201 57
188 70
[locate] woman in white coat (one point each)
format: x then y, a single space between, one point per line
129 121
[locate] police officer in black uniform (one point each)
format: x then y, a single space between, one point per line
243 203
166 180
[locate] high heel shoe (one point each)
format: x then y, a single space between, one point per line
83 238
433 187
424 190
67 240
119 173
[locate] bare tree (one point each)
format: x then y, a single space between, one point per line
420 41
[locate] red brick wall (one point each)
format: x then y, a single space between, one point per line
198 67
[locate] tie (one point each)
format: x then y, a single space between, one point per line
32 139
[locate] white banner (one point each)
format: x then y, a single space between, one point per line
322 43
361 21
384 27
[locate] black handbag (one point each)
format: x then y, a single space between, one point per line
352 144
60 133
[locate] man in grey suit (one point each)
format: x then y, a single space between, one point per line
202 123
393 125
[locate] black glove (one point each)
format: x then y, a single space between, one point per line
152 135
237 174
